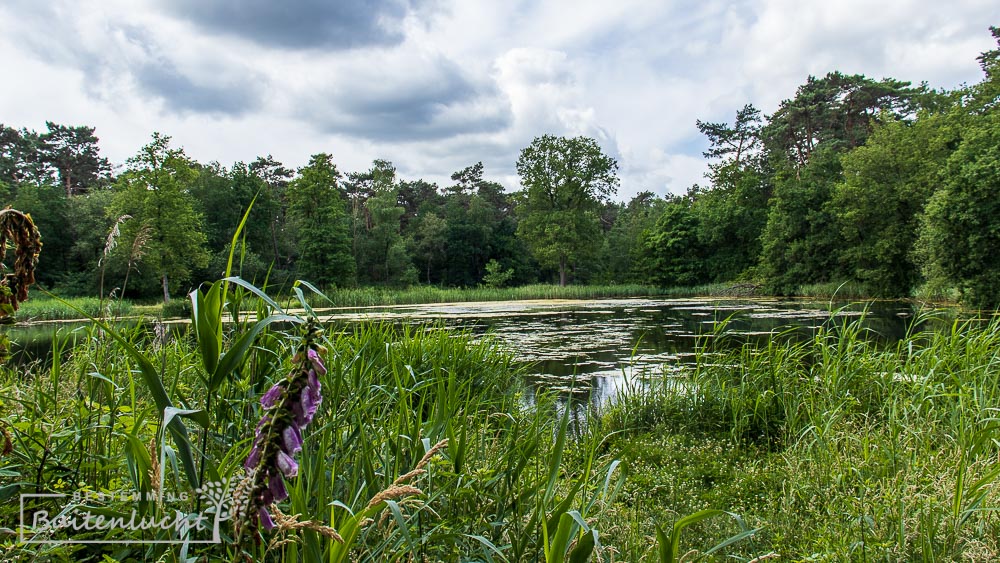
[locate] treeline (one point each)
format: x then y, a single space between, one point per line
165 221
888 185
893 187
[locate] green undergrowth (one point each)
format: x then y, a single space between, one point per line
427 447
501 472
837 449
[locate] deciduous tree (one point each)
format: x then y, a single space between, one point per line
564 180
154 191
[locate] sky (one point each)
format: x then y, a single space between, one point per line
437 85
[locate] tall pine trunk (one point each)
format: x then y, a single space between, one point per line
166 290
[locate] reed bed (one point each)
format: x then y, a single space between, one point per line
834 290
41 308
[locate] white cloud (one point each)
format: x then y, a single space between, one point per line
441 85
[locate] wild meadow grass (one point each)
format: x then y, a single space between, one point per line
836 448
423 447
426 447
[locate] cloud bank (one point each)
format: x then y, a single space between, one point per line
436 85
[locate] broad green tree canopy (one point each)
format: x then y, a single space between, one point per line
565 180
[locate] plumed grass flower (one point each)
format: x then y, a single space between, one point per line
289 406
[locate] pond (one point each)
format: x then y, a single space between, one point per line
590 348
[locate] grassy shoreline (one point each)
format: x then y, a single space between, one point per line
43 308
376 296
835 448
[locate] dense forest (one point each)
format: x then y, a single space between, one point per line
882 183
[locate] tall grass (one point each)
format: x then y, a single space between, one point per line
41 308
497 491
838 448
860 451
831 290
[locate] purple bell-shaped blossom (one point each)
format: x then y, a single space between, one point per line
289 406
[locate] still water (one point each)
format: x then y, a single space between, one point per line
592 347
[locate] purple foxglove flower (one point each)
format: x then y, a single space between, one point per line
289 406
287 465
305 408
293 439
265 518
276 487
272 396
264 420
254 458
314 395
313 381
316 362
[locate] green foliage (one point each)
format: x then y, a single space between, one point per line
88 215
317 215
429 241
457 233
165 225
622 252
270 209
730 224
27 157
48 207
496 276
732 213
671 253
836 112
961 238
985 96
800 244
376 227
564 180
470 221
887 183
669 546
74 154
